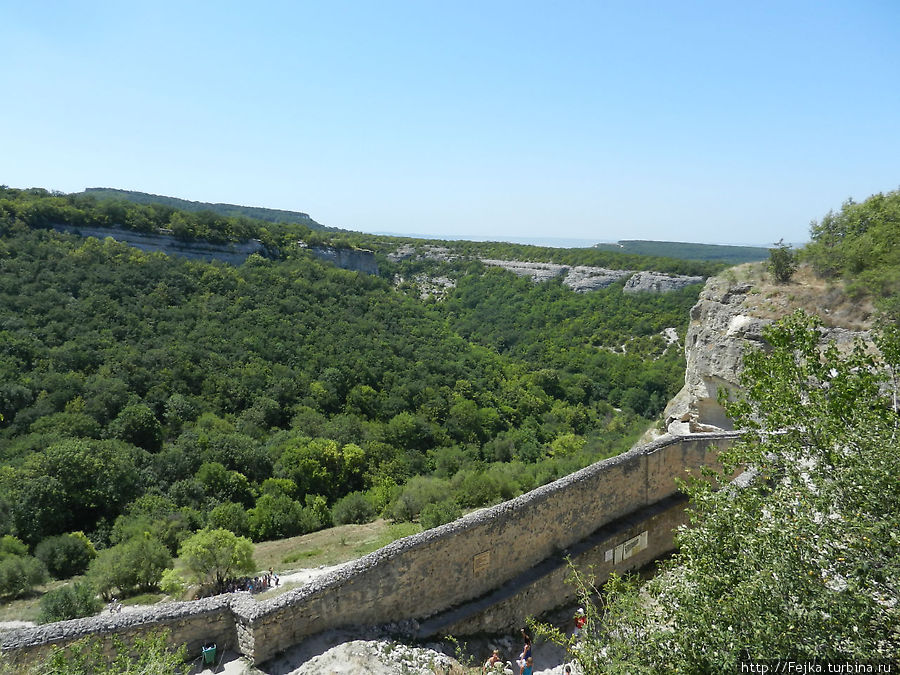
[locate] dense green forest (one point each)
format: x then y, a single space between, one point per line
143 395
733 255
226 210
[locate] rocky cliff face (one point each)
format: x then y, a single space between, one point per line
354 259
584 278
233 253
729 317
654 282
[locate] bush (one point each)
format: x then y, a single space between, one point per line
356 507
19 574
10 545
275 516
66 555
230 516
437 514
419 491
136 565
69 602
150 655
782 262
172 583
474 489
318 506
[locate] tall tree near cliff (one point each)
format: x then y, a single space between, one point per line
782 262
801 563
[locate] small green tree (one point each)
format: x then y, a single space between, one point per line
214 556
782 262
19 574
66 555
355 507
69 602
437 514
135 565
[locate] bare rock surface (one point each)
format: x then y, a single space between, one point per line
584 278
655 282
729 317
537 271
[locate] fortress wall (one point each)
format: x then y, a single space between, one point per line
422 575
193 623
550 588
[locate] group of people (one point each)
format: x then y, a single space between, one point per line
525 661
253 584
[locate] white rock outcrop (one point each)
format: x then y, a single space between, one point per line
655 282
729 318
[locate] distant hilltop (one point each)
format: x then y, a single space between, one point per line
225 210
734 255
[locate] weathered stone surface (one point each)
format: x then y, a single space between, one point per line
233 253
729 318
537 271
655 282
583 278
417 577
353 259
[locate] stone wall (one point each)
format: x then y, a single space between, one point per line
193 623
426 574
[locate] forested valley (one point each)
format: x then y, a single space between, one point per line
144 397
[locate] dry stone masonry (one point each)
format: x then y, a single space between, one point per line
618 513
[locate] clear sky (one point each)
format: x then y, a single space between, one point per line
712 121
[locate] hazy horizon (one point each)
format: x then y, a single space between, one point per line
589 121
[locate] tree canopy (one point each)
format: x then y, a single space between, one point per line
143 393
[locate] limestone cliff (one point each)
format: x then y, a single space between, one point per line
233 253
353 259
729 317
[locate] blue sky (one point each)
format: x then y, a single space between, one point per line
722 122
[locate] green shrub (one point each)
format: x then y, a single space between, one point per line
69 602
277 516
230 516
474 489
10 545
419 491
319 507
782 262
150 655
19 574
66 554
172 583
214 556
437 514
356 507
134 566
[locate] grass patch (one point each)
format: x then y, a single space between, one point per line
302 555
329 547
